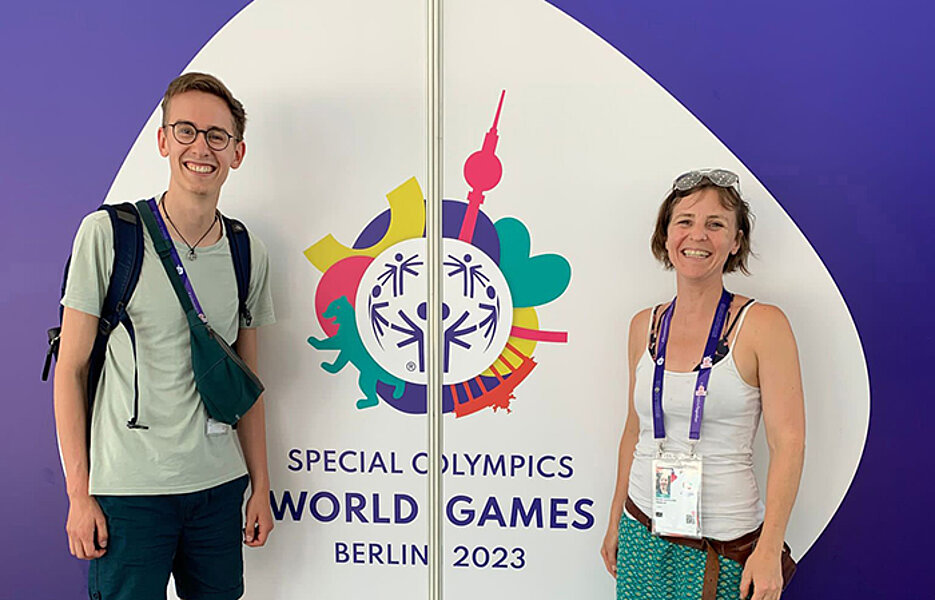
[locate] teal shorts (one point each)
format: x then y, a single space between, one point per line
196 537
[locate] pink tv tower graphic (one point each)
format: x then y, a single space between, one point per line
482 171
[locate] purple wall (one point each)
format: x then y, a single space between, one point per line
829 104
826 102
79 80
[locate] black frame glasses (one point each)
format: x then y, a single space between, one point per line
217 138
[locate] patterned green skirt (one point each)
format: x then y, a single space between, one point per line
651 568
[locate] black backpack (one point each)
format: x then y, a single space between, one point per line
128 261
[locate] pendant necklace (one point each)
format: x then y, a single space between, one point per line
191 247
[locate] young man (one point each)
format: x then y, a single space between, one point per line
165 497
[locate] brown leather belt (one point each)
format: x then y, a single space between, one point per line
738 550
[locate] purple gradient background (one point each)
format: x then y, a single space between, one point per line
830 105
827 103
79 81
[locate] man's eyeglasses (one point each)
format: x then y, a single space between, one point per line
185 133
719 177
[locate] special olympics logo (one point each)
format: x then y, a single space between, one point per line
477 311
371 300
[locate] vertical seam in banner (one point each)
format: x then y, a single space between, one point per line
433 234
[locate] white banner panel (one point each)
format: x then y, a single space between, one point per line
547 258
589 146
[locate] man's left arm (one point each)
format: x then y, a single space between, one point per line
251 429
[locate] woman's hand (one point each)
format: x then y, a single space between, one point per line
764 572
609 549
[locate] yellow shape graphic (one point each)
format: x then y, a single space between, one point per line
407 221
522 317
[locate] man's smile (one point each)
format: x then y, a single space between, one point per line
198 167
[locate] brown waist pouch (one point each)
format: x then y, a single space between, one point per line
738 550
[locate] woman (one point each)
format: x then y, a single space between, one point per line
702 369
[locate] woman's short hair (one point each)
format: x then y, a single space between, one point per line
730 199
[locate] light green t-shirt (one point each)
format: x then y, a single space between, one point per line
175 455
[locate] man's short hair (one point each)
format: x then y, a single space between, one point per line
209 84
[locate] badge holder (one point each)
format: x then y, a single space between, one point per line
677 494
213 427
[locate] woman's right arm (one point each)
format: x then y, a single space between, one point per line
631 429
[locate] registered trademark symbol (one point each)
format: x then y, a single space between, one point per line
410 366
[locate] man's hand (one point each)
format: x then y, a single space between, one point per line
84 519
258 519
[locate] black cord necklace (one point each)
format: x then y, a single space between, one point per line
191 247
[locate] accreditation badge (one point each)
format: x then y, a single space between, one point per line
677 496
213 428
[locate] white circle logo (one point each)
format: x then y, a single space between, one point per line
477 311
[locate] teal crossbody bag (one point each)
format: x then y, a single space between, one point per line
227 386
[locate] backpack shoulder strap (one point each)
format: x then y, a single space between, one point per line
125 272
239 240
128 261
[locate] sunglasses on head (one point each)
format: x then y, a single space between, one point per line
719 177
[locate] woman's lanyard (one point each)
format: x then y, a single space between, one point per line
701 385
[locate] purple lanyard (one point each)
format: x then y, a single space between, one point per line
175 258
701 385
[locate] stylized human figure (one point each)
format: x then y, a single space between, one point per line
398 272
415 333
470 274
476 276
391 273
489 322
453 335
352 350
458 268
377 320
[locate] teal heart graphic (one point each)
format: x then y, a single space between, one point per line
533 280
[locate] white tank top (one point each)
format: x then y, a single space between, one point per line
730 500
